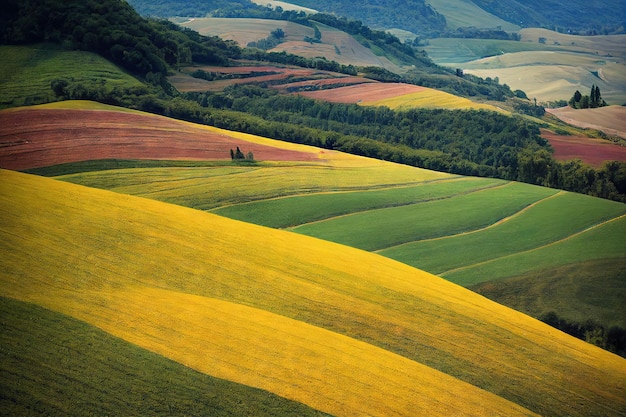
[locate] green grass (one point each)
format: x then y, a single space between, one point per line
55 365
459 50
293 211
383 228
112 164
572 291
603 242
27 71
553 219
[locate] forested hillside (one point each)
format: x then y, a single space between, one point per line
147 48
591 17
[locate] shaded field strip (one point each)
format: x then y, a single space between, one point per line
556 242
347 190
425 200
59 363
469 232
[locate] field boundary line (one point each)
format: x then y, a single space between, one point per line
469 232
556 242
475 190
344 191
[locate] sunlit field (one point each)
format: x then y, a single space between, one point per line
195 287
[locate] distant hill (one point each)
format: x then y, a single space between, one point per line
595 16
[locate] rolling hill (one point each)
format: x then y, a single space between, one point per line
219 296
335 45
545 64
469 230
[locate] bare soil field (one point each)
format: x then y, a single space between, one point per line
185 83
328 83
33 138
363 92
610 120
244 31
593 152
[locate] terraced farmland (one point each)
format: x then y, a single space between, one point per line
219 296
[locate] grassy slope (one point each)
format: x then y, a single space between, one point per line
374 230
464 13
549 220
27 71
235 291
66 367
570 290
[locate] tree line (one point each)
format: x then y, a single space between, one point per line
612 339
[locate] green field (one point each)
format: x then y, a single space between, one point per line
572 290
297 210
548 221
27 71
379 229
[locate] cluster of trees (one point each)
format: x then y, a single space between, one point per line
593 100
283 57
275 38
612 339
214 75
237 155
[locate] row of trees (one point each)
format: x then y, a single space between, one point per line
592 101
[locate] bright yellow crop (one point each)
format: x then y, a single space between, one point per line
343 330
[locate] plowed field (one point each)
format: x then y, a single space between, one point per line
591 151
364 92
38 137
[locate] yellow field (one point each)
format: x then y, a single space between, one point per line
431 98
345 331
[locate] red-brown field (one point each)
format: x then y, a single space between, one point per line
610 119
184 82
363 92
38 137
325 82
591 151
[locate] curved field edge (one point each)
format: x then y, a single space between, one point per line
66 367
261 349
575 247
383 228
548 220
96 245
291 211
